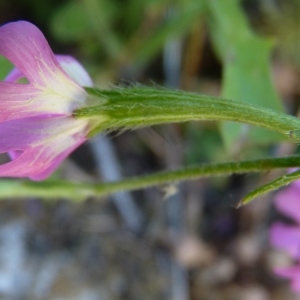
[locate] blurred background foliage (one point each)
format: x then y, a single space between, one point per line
188 242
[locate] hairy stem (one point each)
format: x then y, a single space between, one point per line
80 191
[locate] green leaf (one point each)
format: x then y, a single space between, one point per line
69 24
246 69
88 21
5 67
175 26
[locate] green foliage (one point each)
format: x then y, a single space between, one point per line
69 23
246 69
5 67
130 32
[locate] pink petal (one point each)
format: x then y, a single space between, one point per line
20 134
19 97
14 154
75 70
292 273
51 90
24 100
14 75
26 47
40 162
69 64
297 184
55 161
36 124
41 144
287 238
20 101
287 202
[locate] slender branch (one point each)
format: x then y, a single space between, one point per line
80 191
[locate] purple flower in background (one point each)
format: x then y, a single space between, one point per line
292 273
287 237
37 128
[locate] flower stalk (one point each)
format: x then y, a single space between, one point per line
79 191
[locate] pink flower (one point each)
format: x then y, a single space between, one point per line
287 237
37 128
292 273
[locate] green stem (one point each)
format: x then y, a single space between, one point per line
131 108
269 187
80 191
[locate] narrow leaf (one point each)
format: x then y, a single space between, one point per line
271 186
